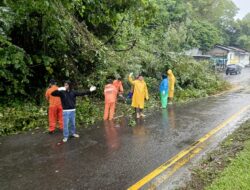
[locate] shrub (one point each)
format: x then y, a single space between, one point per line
22 118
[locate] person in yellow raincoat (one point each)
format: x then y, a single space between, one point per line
171 84
140 93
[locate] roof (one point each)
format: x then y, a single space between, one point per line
231 48
202 56
223 47
238 49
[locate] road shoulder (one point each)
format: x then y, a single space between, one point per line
216 169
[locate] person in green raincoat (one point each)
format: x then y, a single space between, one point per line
164 91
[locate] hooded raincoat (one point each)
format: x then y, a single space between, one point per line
110 93
171 83
164 92
140 93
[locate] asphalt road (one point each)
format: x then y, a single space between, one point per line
113 155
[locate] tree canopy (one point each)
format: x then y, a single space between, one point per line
90 40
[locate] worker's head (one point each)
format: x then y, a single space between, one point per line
67 84
164 76
140 77
169 72
52 82
110 81
118 77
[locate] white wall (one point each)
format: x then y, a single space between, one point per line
193 52
236 58
244 60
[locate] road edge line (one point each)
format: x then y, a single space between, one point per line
184 152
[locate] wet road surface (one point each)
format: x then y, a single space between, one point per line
112 155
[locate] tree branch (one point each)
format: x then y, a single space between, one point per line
129 48
116 31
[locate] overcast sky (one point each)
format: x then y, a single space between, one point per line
244 6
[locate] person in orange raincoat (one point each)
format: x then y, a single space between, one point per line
110 93
118 84
171 84
140 93
55 108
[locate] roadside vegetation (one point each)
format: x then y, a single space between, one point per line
90 41
227 167
236 175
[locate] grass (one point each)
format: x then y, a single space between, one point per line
236 176
226 167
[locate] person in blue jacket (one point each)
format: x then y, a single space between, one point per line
164 91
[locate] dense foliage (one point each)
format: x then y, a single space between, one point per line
242 31
88 41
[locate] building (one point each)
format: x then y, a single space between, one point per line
193 52
225 55
196 53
